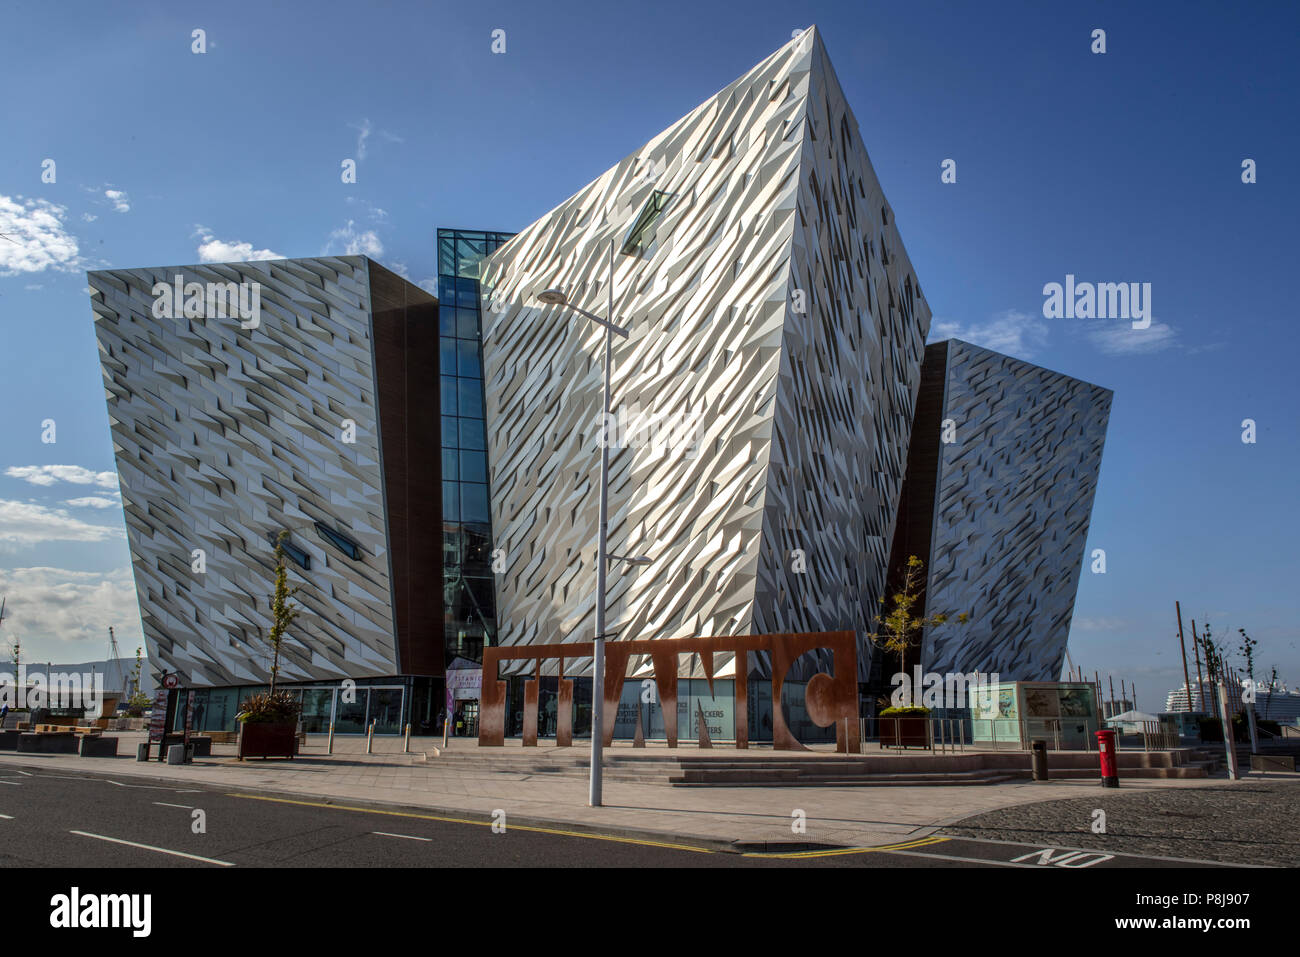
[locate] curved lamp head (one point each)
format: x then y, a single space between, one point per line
553 297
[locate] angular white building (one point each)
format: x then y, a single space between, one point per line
1001 477
309 412
769 300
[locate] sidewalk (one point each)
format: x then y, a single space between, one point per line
849 817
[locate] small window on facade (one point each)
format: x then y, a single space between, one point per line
340 541
638 235
293 552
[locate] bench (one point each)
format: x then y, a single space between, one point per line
45 742
96 746
1272 762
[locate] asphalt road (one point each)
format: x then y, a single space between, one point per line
55 818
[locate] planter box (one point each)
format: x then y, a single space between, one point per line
904 731
267 740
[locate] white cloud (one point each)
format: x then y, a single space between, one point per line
355 243
88 217
93 501
119 199
26 523
34 286
34 237
378 214
1116 338
364 129
213 250
57 605
429 285
49 474
1012 332
363 134
1099 624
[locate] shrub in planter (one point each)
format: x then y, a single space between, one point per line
905 727
267 726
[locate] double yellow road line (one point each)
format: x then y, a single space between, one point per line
533 829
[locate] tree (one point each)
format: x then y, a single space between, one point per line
1213 657
901 627
1272 685
138 700
1247 650
283 611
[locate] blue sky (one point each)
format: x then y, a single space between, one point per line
1123 166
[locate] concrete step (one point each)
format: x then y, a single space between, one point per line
858 781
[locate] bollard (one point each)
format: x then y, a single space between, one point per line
370 736
1039 760
446 727
176 754
329 745
142 752
406 745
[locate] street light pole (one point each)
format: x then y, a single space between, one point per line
556 297
598 646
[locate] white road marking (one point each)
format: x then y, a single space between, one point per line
409 837
187 807
145 787
7 817
16 784
21 771
1093 850
150 847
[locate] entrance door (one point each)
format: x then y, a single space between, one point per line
386 709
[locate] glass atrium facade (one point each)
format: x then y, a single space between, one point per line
469 597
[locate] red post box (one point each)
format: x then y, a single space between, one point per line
1109 766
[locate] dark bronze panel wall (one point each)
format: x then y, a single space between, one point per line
407 384
914 530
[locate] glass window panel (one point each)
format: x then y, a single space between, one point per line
317 704
470 397
447 362
473 467
451 501
469 253
449 467
446 254
446 319
467 323
351 718
467 359
447 289
448 396
466 291
474 503
472 435
449 432
386 710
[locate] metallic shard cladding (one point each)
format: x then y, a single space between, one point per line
770 302
228 430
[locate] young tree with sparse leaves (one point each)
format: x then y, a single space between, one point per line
138 700
283 611
1247 650
900 628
